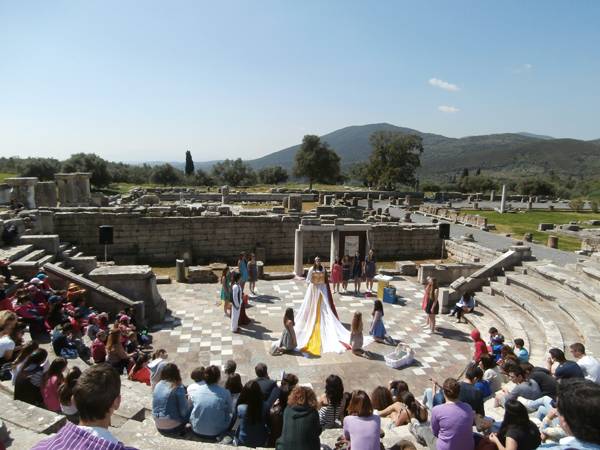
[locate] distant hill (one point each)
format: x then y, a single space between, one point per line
507 152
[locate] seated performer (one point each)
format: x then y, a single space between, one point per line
318 329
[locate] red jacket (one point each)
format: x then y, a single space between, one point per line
480 346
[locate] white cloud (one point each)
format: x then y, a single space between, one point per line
448 109
443 85
523 68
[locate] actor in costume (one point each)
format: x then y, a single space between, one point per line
318 329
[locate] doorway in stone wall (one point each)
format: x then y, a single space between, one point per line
351 242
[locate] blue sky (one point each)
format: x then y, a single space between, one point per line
145 80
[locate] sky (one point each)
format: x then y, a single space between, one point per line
147 80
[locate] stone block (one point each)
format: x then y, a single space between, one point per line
48 242
408 268
201 274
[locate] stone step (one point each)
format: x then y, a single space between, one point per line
16 252
21 438
64 246
33 256
46 259
30 417
569 279
527 302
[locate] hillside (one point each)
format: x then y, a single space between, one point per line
506 152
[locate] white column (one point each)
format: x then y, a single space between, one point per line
503 200
333 253
298 254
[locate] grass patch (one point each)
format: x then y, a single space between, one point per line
518 224
5 175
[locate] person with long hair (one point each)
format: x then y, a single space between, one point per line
65 395
301 428
432 304
370 270
237 301
288 342
330 403
243 270
51 381
29 380
404 410
226 290
345 272
377 327
356 336
139 371
362 428
252 273
491 372
357 273
27 349
8 321
212 406
336 275
170 405
116 355
252 430
381 397
275 417
517 432
156 365
234 385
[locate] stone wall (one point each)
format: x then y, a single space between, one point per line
454 215
591 244
161 240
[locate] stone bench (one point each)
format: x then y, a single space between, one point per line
30 417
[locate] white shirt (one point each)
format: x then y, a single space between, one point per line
194 387
6 345
590 367
100 432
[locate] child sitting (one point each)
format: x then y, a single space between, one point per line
287 343
496 342
521 351
99 347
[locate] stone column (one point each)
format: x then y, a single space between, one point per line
503 199
553 241
45 194
298 253
369 203
333 253
23 190
492 196
180 270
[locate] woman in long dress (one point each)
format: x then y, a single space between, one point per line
318 330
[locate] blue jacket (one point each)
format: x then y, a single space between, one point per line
212 410
169 402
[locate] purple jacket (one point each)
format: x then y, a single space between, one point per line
71 437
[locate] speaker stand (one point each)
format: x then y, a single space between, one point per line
106 253
443 247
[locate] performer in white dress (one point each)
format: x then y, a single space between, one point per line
236 302
318 329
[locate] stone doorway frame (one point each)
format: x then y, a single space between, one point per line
338 235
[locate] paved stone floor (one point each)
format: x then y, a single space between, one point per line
197 333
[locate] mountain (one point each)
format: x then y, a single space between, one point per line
499 153
538 136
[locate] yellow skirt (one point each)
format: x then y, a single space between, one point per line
313 346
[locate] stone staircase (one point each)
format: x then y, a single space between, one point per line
545 305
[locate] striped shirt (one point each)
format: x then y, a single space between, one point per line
72 437
329 416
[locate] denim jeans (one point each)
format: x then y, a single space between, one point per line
431 400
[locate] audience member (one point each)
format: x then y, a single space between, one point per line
97 396
590 366
116 355
159 360
381 398
276 412
99 347
252 428
170 405
397 387
65 395
139 371
51 381
451 422
18 362
404 410
234 386
212 406
521 351
564 368
361 427
263 380
197 376
525 388
330 403
491 372
301 428
543 378
480 348
517 431
578 405
29 379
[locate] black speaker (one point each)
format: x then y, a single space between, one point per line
105 234
444 230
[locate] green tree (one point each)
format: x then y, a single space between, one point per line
476 184
358 173
234 173
316 161
43 168
536 186
272 175
89 162
202 178
576 204
189 163
166 174
394 159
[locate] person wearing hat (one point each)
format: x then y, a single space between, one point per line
92 327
